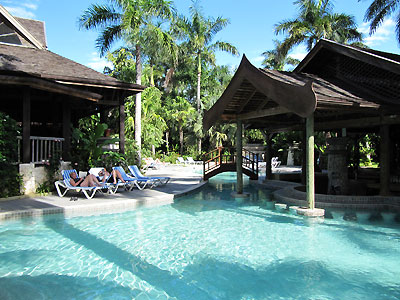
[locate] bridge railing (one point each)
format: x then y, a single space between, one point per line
214 159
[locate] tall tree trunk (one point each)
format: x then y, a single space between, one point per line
138 105
167 140
198 94
181 139
151 75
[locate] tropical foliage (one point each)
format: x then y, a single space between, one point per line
10 185
379 10
317 20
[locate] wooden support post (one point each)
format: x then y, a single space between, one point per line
384 161
356 155
268 157
310 162
304 158
239 159
66 128
122 127
26 126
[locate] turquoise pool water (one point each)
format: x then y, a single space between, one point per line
204 246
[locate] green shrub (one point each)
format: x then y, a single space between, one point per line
11 180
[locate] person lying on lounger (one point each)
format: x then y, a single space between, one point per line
89 180
104 174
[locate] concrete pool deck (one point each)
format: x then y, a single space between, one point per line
183 181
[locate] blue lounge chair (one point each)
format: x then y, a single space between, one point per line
112 187
66 185
137 174
132 181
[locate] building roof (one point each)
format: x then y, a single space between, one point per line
23 55
36 28
346 82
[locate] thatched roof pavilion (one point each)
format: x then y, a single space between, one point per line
45 91
334 87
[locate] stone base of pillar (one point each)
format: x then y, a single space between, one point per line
242 195
307 212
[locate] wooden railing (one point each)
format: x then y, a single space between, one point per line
42 148
223 156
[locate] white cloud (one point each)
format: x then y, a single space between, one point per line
20 12
97 63
299 52
258 59
382 33
23 9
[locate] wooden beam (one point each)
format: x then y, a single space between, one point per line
26 126
384 173
310 162
239 167
256 114
66 129
244 103
49 86
356 123
263 103
122 127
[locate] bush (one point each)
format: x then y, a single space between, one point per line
11 180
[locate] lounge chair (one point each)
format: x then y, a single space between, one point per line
180 160
67 186
191 161
112 187
132 181
275 163
137 174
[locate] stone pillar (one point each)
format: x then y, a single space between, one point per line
310 185
239 160
26 126
384 172
290 156
338 181
122 128
66 130
268 168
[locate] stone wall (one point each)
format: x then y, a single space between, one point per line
33 176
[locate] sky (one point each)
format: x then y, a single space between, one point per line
251 27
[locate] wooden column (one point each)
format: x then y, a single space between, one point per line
310 162
239 146
356 155
26 125
385 161
268 157
122 127
304 158
66 128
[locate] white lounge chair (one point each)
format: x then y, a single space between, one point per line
180 160
139 183
275 163
137 174
67 186
191 161
112 188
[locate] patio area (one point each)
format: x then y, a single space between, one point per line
184 179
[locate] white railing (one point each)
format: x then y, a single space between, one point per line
42 148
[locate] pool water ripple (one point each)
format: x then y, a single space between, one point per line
203 246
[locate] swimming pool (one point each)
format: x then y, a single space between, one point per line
203 246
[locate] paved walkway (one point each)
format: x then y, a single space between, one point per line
183 180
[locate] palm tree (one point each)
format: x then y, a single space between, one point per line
198 33
276 60
126 19
378 11
315 21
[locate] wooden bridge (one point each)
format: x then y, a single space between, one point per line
224 160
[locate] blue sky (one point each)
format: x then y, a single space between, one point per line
251 27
